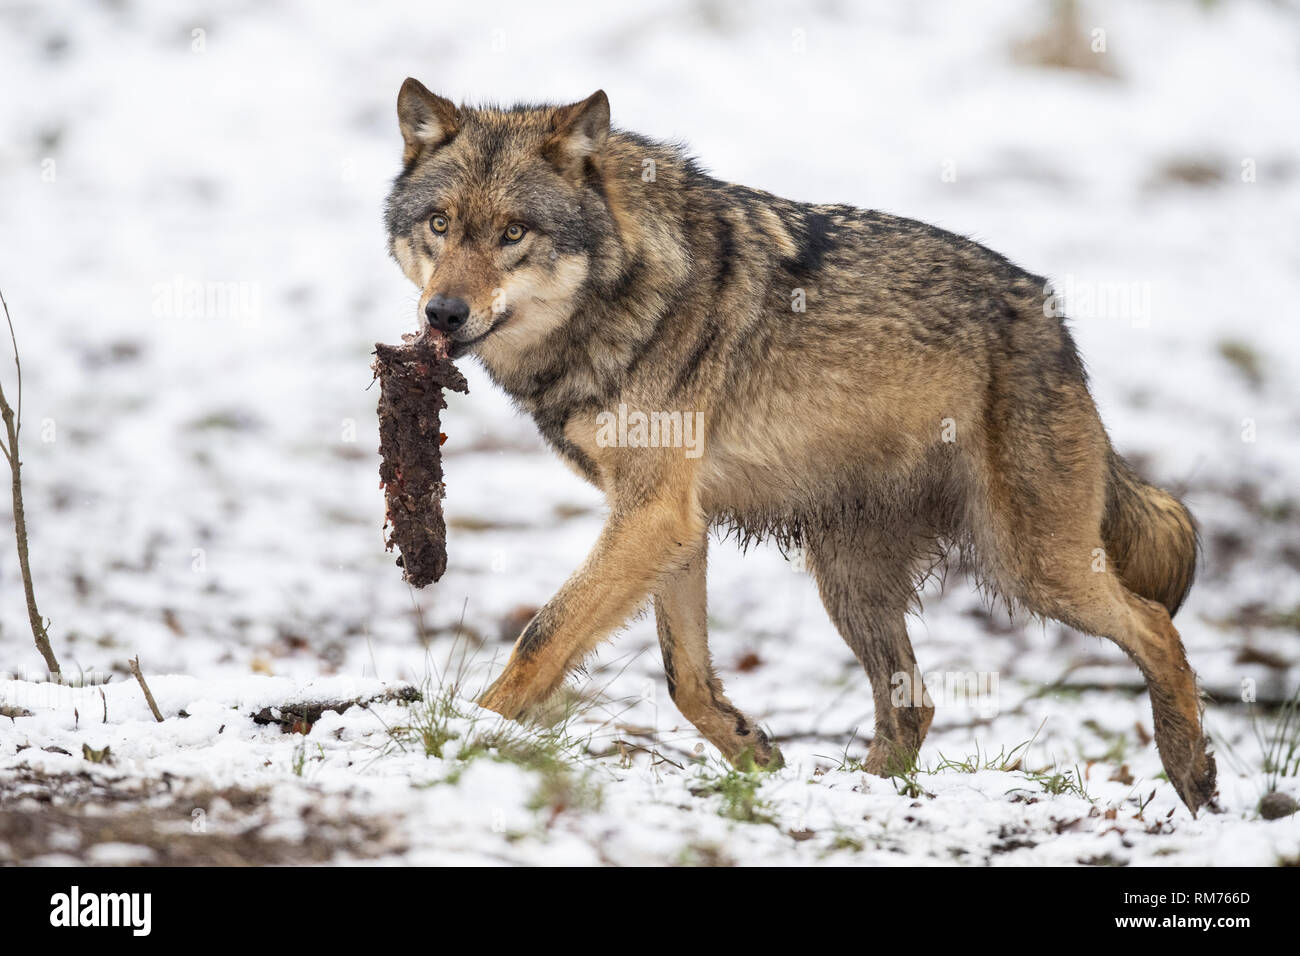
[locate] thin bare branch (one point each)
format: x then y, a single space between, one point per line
13 424
13 339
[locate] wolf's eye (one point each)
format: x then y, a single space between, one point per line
514 232
438 224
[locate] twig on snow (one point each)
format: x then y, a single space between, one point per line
148 695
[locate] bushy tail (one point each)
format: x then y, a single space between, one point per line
1150 537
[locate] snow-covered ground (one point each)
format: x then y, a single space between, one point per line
201 477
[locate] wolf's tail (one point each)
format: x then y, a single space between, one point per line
1150 537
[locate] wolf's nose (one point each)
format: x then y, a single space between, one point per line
446 314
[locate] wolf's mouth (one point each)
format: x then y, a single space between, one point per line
460 348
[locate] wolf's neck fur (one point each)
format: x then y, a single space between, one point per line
689 281
640 266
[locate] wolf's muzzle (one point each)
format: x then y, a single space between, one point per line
446 314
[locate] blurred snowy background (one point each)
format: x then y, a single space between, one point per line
192 251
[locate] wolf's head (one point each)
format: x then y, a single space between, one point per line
498 216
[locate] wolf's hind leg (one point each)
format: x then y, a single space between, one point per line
866 580
1039 514
682 620
1098 603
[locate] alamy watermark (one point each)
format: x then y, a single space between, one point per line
974 690
41 690
133 911
185 298
1084 299
655 429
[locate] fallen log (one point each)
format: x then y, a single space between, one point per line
299 716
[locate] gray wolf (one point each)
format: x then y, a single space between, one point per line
874 390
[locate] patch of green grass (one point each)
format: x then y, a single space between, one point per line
432 718
445 727
907 785
1058 782
738 790
898 766
1003 761
905 772
561 761
1280 745
849 764
902 770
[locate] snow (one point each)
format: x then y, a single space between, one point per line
201 484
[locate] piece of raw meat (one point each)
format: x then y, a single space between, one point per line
412 378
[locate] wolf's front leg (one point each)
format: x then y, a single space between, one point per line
638 546
681 614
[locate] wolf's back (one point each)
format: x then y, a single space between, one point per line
1150 536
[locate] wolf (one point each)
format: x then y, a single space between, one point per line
875 391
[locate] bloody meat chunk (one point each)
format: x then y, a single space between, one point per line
412 378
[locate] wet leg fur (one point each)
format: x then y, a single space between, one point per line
681 617
1049 553
866 582
1144 631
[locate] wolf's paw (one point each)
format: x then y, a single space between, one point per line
522 688
1194 781
886 759
503 699
761 754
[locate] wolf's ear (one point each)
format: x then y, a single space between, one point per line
579 132
426 119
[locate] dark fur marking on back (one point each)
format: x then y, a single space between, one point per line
814 236
727 252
